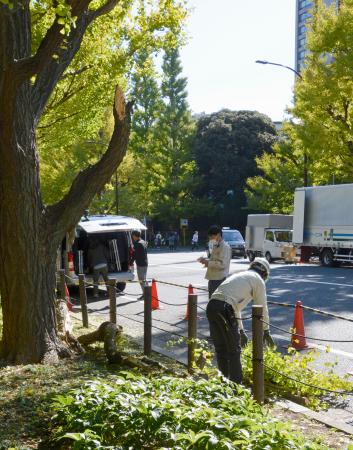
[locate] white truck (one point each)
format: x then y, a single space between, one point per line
268 235
323 223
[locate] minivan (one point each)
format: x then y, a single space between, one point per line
235 241
114 232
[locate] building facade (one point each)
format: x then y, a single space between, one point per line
303 9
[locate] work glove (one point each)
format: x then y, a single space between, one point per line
268 339
243 339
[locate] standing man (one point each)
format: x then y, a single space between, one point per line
195 241
218 262
224 315
140 257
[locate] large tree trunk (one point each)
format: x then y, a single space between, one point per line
30 233
27 243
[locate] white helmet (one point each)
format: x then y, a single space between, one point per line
262 266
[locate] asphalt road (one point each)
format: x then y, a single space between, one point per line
327 289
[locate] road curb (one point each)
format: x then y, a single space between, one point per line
322 417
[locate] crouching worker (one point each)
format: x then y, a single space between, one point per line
224 315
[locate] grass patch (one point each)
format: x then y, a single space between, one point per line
189 413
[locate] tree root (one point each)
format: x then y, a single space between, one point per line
107 333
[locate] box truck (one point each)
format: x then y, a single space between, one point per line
269 235
323 222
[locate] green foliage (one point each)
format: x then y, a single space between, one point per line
281 172
226 146
69 134
160 178
324 95
293 365
299 367
165 412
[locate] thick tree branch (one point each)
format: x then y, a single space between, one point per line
51 42
65 214
54 68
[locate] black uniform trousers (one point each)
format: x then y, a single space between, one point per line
226 339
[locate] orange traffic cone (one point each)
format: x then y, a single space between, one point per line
190 291
298 336
67 298
154 295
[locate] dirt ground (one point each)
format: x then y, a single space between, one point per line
312 429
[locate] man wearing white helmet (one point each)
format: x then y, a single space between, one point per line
224 315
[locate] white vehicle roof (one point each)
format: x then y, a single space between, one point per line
105 223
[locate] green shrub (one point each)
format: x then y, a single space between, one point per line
298 367
138 412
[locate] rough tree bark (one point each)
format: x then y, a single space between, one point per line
30 232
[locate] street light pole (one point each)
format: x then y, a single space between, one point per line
305 156
280 65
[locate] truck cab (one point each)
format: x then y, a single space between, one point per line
274 242
269 236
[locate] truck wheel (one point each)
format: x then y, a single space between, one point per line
268 257
326 258
251 256
120 287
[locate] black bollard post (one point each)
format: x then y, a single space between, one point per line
258 354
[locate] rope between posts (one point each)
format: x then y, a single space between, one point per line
270 302
172 304
315 310
180 285
302 336
153 326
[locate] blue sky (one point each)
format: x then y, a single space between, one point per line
225 39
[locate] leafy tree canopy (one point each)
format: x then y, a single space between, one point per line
324 95
226 145
76 113
280 173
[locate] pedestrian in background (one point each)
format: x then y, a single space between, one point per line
195 241
176 240
171 241
224 315
140 258
158 240
219 261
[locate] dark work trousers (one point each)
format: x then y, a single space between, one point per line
213 285
226 339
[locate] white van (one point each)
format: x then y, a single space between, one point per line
114 232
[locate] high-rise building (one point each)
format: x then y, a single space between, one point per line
303 8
